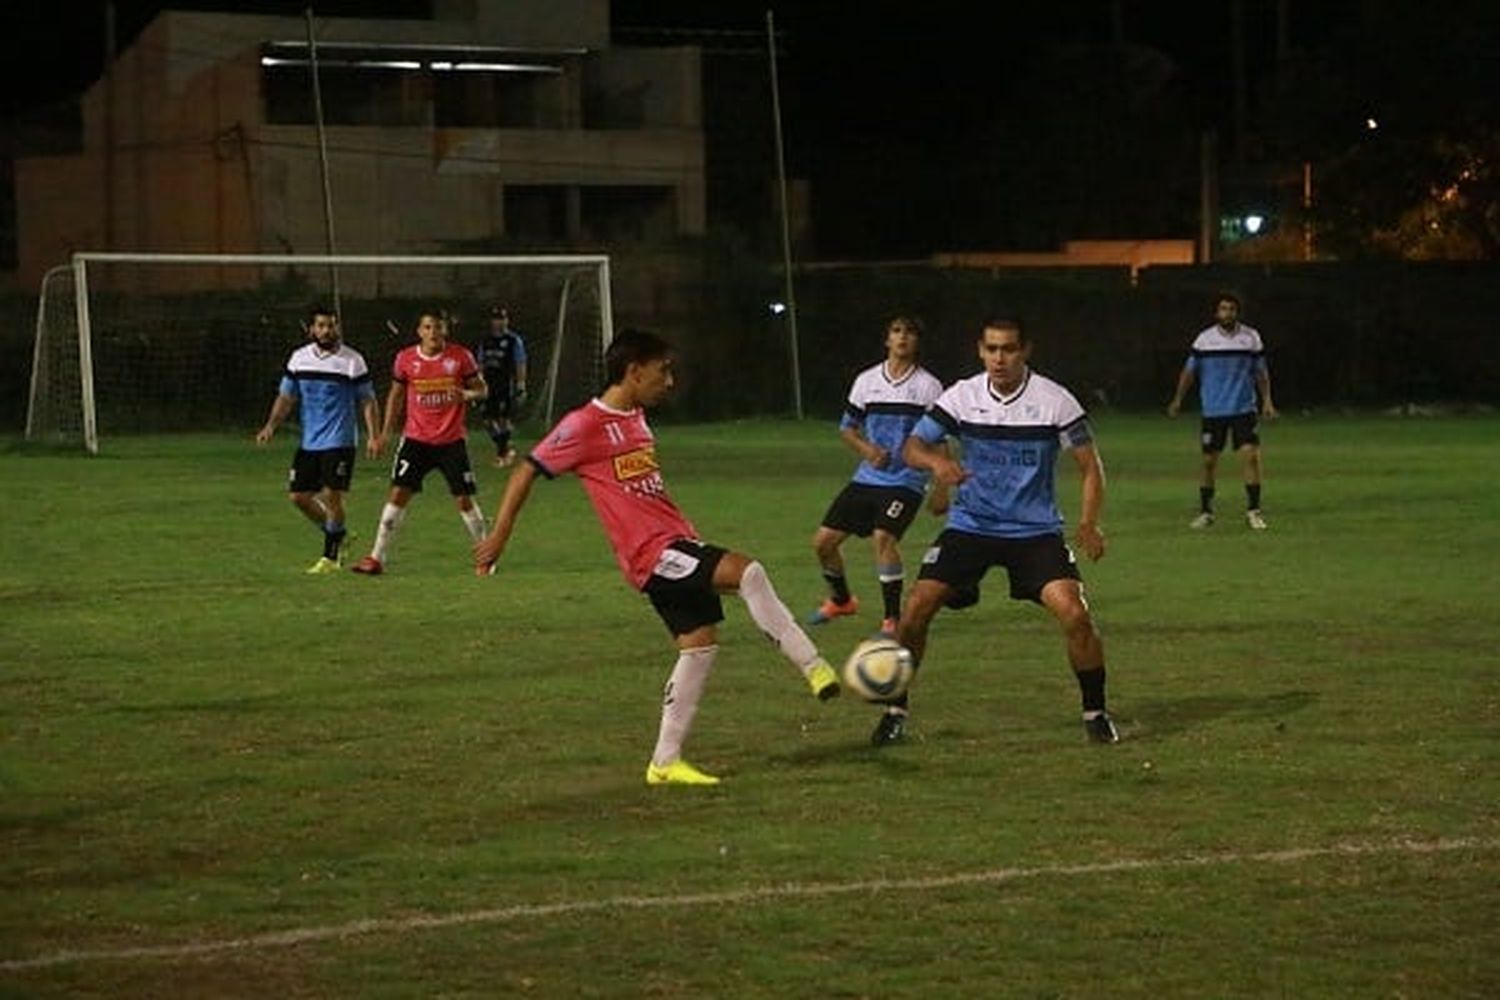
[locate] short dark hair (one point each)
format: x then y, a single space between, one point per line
911 322
1228 296
318 309
1004 323
632 347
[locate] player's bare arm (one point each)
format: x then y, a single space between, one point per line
395 407
475 389
1263 386
864 447
940 496
488 549
1088 536
370 408
1184 383
935 459
281 408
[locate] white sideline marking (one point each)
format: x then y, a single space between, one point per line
790 890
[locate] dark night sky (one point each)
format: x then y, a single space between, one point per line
878 90
917 68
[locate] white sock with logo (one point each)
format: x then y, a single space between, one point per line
391 517
679 703
474 522
775 620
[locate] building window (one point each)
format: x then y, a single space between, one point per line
536 213
351 96
629 213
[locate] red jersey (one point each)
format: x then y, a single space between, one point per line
614 454
435 407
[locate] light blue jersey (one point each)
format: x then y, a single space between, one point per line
885 410
1010 447
328 387
1226 364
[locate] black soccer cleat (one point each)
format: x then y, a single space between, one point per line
1101 729
890 729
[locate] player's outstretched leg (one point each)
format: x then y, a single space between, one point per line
749 578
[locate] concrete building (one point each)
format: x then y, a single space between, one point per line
497 124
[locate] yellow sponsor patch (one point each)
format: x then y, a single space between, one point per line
634 464
434 384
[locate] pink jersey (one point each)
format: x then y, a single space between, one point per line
434 406
614 455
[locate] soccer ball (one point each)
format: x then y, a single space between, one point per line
879 670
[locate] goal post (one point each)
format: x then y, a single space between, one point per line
159 342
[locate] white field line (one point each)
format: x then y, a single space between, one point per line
790 890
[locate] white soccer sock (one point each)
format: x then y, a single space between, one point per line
474 522
679 701
391 517
775 620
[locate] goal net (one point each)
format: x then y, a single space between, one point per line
132 343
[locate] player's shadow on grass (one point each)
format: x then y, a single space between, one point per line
1170 716
903 758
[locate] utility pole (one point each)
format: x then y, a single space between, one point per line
1307 222
1241 84
317 92
786 225
1208 194
109 125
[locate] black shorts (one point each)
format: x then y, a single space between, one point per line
682 586
414 459
500 405
311 471
1241 429
861 508
960 560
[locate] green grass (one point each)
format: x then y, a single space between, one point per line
199 743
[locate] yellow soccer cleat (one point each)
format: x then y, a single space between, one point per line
679 772
823 680
322 566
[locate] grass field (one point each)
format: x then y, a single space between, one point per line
221 777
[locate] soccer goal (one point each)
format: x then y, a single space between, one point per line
131 343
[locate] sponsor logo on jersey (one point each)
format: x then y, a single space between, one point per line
635 464
434 391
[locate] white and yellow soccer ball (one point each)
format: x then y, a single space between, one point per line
879 670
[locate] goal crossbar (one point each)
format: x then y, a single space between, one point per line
80 262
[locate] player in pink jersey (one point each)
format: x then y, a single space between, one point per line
433 381
608 445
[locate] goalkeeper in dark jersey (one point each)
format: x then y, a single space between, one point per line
502 359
